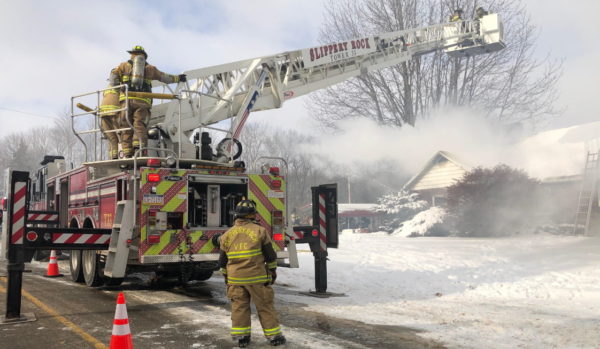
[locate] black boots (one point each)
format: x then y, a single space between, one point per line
277 340
244 341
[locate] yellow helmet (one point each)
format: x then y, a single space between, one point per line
138 49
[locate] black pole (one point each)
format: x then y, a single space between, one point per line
13 293
320 271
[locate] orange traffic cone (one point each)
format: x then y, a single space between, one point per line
53 266
121 334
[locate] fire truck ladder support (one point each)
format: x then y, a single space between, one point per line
22 237
322 234
120 239
585 203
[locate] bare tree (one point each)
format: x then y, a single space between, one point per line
260 139
511 85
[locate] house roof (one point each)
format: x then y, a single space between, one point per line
440 155
357 210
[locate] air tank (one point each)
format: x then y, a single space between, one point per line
137 73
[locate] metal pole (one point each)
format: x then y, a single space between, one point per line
320 271
13 292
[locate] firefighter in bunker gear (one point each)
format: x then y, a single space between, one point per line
109 120
138 75
480 13
248 263
457 15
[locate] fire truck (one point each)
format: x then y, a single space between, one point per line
163 209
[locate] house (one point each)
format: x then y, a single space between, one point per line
363 217
440 172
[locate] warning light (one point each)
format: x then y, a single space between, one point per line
276 184
153 177
315 233
32 236
153 239
274 171
3 205
278 237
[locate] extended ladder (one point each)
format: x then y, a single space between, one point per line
586 195
218 93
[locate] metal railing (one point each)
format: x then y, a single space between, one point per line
98 114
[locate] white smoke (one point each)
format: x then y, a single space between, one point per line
462 132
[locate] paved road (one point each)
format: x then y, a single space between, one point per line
73 315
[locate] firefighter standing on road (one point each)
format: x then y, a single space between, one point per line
138 75
248 263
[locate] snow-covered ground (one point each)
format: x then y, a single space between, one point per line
540 291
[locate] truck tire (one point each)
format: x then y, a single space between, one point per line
91 268
75 266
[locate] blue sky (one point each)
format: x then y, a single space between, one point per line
52 50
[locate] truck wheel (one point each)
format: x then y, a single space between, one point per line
202 274
91 269
75 266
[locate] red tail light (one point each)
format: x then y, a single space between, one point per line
315 233
153 177
153 239
3 204
278 237
32 236
276 184
274 171
153 162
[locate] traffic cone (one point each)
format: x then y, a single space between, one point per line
53 266
121 334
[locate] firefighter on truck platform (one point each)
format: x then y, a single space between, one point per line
138 75
248 263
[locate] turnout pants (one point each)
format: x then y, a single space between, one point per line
138 115
262 297
108 123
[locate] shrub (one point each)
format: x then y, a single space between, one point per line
493 202
398 208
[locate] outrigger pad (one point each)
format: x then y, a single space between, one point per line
312 293
25 317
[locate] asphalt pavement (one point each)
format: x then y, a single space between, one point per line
70 315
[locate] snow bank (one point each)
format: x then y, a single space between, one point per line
540 291
421 223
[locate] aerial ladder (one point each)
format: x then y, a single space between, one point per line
233 90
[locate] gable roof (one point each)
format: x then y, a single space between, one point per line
440 156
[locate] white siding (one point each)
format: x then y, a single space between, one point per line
441 175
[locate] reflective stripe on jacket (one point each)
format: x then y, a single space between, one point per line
247 254
122 75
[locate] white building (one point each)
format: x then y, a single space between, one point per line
440 172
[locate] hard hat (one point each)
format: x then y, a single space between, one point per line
138 49
245 208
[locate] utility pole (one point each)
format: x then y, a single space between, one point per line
349 190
